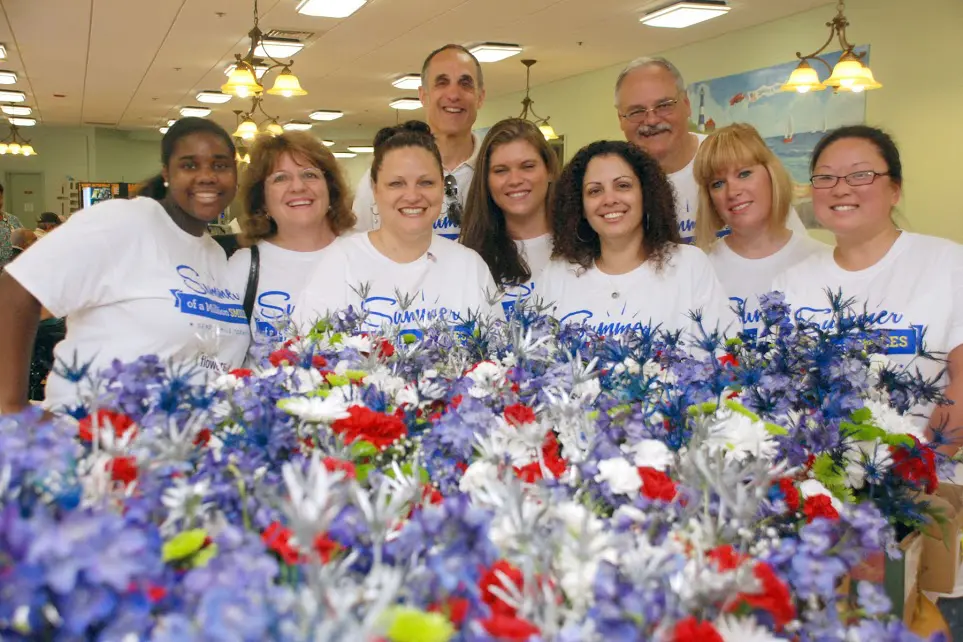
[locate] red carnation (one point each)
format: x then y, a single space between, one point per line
456 608
773 596
282 357
318 361
242 373
325 547
364 424
790 493
552 457
490 579
156 593
692 630
331 465
916 464
656 484
123 469
509 627
106 419
385 349
203 437
726 558
728 360
819 506
519 414
277 538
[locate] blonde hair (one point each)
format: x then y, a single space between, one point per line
738 145
303 147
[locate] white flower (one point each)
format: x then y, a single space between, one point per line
316 409
587 391
813 487
226 382
741 436
487 377
521 443
359 343
651 453
887 418
407 396
743 629
477 476
623 478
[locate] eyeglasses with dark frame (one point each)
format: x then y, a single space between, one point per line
451 193
828 181
661 110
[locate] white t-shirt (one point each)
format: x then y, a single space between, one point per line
745 279
536 252
916 287
364 203
613 304
132 283
687 202
282 275
447 282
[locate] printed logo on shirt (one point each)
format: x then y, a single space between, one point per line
604 328
385 310
273 306
515 294
205 300
444 226
905 340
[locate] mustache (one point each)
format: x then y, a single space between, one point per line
648 130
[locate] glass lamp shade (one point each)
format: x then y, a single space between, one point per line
246 130
803 79
847 72
13 148
287 85
28 150
3 148
242 83
548 131
274 129
866 81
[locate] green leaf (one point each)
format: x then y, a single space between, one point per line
363 471
738 408
774 429
183 545
408 338
861 432
861 415
735 341
412 625
897 440
356 375
831 476
706 408
337 380
363 449
204 556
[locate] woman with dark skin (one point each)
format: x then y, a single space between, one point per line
132 278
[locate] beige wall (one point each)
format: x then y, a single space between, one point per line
915 53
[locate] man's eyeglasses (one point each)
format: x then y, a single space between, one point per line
451 193
663 109
827 181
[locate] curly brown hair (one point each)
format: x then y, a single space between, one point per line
574 239
305 149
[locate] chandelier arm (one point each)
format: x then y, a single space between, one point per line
817 58
815 54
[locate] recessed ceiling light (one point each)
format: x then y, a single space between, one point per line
3 52
326 114
15 110
163 130
343 155
8 96
22 122
405 103
197 112
327 143
329 8
297 126
171 122
259 70
494 51
361 149
407 82
8 77
685 14
277 48
213 96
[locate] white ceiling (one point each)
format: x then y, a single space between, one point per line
132 64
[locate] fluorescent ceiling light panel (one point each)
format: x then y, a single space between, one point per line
407 82
259 70
171 122
405 103
684 14
8 77
327 143
22 122
3 52
325 114
494 51
343 155
12 96
361 149
277 48
297 126
15 110
197 112
163 130
214 97
329 8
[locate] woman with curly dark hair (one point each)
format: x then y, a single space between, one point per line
619 265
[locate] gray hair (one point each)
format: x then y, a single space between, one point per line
647 61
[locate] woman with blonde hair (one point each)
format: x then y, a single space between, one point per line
506 219
296 202
743 186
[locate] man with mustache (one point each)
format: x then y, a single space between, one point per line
654 113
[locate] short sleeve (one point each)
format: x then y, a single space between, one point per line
325 289
956 279
363 205
75 266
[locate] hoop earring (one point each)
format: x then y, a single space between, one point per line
578 236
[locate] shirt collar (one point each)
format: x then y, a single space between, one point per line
473 159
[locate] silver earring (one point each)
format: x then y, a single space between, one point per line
166 184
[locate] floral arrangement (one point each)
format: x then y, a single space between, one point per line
506 481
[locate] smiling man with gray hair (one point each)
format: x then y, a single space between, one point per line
654 113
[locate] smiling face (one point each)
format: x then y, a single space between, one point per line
202 176
612 198
452 95
663 130
518 180
296 193
856 212
409 192
743 197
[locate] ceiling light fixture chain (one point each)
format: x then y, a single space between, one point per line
528 105
243 80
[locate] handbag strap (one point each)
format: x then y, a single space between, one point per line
252 278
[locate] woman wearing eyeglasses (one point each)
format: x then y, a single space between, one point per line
295 203
743 185
910 285
506 220
401 274
619 264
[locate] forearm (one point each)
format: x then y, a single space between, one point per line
19 316
948 418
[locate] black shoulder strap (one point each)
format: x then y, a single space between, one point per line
252 277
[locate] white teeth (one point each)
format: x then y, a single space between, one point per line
206 197
740 207
453 110
298 203
412 211
843 208
518 194
611 216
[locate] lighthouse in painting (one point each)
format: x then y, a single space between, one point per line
702 110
